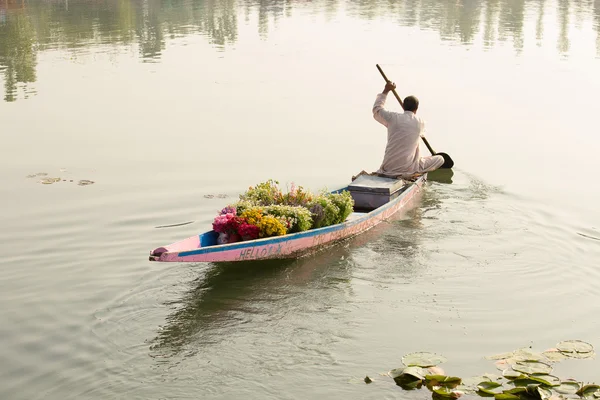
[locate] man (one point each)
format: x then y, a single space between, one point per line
402 157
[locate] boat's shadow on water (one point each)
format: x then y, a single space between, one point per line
229 294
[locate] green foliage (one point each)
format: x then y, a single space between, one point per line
299 217
525 376
345 204
264 194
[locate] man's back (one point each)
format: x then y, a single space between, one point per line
404 131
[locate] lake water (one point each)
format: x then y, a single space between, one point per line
172 108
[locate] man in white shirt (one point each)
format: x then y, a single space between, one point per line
402 157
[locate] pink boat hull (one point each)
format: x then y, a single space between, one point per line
288 246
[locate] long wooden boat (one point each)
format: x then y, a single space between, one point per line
204 247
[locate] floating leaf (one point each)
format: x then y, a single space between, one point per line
568 387
539 393
408 378
85 182
49 181
532 367
545 380
490 388
550 379
446 393
526 354
554 355
588 391
574 346
506 396
581 356
423 359
416 373
512 374
505 364
435 371
469 385
502 356
442 380
516 391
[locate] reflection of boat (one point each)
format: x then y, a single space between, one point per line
204 247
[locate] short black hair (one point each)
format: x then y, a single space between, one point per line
411 103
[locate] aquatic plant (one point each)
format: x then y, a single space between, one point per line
526 375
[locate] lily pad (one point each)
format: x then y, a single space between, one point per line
501 356
423 359
490 388
85 182
589 391
443 380
416 373
526 354
574 346
554 355
532 367
581 356
568 387
506 396
550 379
408 378
511 374
49 181
469 385
446 393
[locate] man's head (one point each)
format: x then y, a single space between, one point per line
411 103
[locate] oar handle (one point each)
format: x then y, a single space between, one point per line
393 90
402 105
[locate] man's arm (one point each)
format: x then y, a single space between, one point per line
380 114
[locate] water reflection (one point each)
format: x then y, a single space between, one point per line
28 27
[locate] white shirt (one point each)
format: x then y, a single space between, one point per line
404 131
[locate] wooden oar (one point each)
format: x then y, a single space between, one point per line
448 163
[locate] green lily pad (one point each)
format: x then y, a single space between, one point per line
588 391
446 393
408 378
511 374
443 380
554 355
489 388
550 379
516 391
574 346
581 356
544 380
539 393
568 387
423 359
532 367
526 354
506 396
469 385
413 373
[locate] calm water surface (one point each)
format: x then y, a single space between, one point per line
172 108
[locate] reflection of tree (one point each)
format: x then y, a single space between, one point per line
597 24
150 24
563 28
17 53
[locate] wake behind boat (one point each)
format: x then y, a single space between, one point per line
375 200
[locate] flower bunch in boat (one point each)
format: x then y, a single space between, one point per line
265 211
